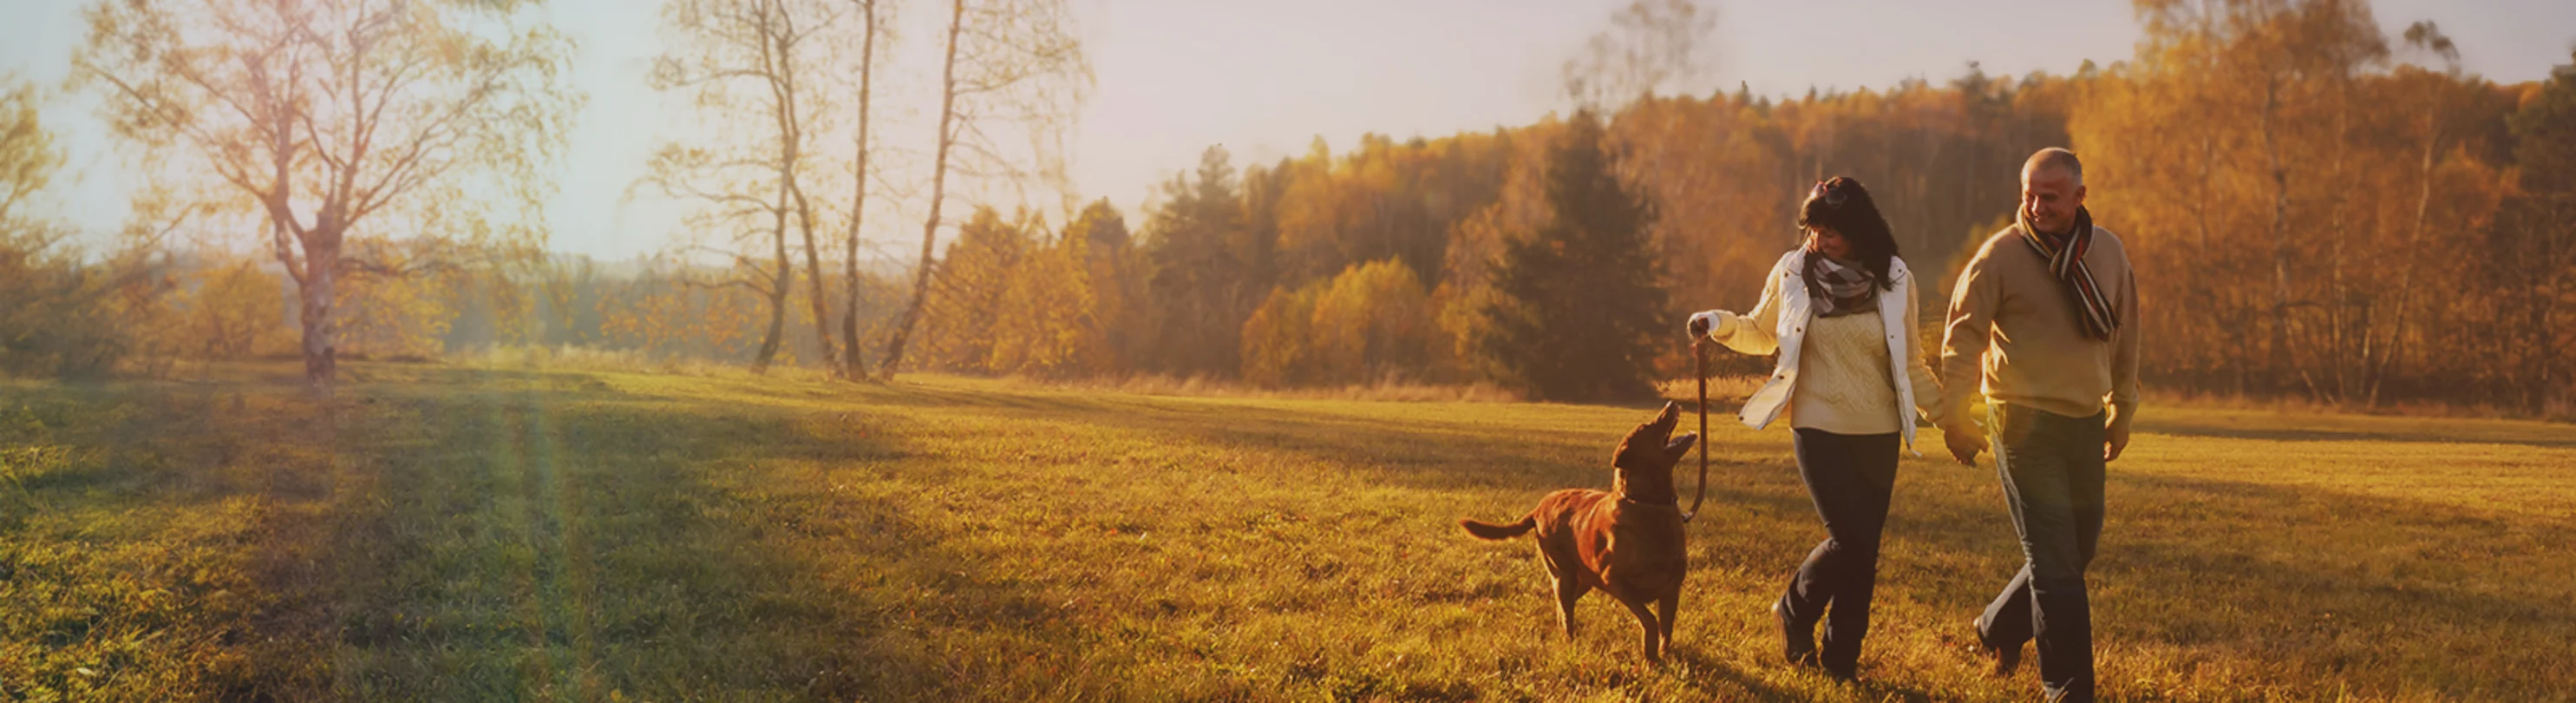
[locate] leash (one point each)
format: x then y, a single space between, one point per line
1699 364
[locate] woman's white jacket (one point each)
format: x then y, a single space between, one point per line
1788 310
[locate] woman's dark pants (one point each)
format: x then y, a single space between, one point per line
1850 477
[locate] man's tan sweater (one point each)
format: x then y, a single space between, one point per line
2013 332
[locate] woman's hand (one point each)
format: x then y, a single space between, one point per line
1702 322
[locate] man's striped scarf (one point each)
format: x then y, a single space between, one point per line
2065 255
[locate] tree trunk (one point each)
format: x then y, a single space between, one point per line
2337 366
321 326
769 341
782 283
2280 351
938 192
791 147
818 297
855 366
2414 236
2552 290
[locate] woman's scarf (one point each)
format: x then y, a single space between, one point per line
1839 290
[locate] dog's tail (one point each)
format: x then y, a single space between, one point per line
1487 530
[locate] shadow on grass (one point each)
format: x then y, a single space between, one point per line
2564 439
126 515
1416 453
501 535
1705 671
2287 586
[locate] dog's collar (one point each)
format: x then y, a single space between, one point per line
1675 503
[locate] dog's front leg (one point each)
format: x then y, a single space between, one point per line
1665 608
1654 630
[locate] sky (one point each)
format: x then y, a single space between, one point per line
1265 79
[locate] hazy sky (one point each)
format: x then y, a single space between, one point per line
1265 78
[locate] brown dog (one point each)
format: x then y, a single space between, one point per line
1627 542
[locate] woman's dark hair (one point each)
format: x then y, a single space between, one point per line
1842 205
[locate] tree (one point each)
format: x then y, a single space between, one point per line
397 316
2439 93
1065 307
1650 44
726 227
334 120
2538 243
873 16
967 300
1581 302
28 157
1207 269
1278 338
1372 321
1051 324
1007 62
45 294
232 311
65 311
757 63
1115 270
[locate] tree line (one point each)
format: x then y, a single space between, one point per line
2319 209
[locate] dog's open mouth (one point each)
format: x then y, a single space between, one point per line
1652 445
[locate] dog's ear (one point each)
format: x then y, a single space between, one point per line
1680 446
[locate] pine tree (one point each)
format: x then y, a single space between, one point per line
1581 305
1206 273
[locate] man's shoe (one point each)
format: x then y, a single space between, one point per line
1798 645
2005 660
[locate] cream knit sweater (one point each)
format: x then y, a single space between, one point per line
1844 385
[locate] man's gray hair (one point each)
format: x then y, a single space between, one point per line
2056 157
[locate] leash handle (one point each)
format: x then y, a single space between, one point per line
1699 366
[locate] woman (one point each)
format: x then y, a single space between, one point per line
1841 312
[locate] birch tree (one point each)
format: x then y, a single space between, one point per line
1007 63
432 122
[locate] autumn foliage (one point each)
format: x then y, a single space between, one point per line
2319 209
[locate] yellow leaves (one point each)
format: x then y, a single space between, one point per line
396 315
28 158
1003 303
234 310
1050 321
1370 321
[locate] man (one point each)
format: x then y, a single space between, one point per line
2044 321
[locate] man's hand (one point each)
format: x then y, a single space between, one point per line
1965 441
2115 437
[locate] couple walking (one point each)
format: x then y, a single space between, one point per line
2043 323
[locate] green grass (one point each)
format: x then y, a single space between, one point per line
444 533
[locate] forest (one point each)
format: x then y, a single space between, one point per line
2320 210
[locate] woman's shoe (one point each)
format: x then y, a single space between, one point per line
1797 644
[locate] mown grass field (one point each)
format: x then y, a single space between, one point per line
463 534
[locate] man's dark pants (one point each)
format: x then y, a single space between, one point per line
2052 471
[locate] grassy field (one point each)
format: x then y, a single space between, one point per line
445 533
